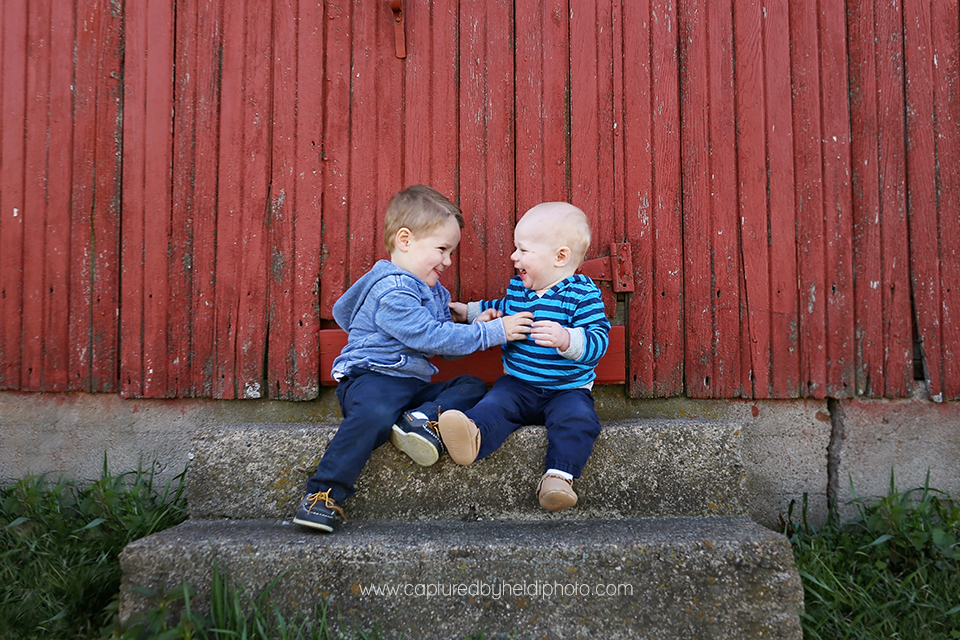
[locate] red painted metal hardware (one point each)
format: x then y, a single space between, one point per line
617 269
397 7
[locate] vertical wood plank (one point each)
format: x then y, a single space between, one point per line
336 155
241 258
95 200
206 113
883 333
838 204
183 212
281 212
430 111
35 194
13 103
652 197
946 41
308 204
375 125
811 239
487 144
922 190
712 260
728 381
592 120
230 231
157 197
257 111
37 87
59 171
292 287
784 294
751 103
697 217
542 112
132 215
895 279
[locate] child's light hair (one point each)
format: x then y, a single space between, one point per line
421 209
563 224
575 232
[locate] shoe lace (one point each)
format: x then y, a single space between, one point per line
328 502
433 424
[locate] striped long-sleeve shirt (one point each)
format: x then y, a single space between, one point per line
574 303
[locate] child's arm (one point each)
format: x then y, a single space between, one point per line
586 341
403 316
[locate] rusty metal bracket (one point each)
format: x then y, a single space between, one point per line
397 7
617 269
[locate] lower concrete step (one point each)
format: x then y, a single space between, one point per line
669 578
643 468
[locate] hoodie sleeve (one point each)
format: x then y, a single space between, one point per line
401 314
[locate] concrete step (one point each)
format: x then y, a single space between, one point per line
644 468
669 578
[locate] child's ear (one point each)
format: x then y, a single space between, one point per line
563 256
402 240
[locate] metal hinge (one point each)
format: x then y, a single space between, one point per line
617 269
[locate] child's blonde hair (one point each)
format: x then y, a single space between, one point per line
575 226
419 208
568 225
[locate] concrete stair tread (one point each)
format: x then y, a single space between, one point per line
642 468
715 577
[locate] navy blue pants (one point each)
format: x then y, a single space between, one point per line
371 403
571 421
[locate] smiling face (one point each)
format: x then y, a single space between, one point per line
534 258
428 255
550 241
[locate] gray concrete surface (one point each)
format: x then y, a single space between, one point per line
784 446
639 468
650 578
905 438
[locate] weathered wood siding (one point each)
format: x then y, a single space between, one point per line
187 186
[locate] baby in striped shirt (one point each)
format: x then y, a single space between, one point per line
549 375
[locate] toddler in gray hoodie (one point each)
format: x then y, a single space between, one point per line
397 316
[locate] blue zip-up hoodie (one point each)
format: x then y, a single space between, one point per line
394 322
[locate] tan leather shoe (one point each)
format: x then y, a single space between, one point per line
555 493
460 435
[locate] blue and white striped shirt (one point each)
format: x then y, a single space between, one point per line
574 303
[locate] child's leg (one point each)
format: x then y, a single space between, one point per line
509 405
461 393
371 402
572 428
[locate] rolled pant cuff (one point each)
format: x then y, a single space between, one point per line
572 469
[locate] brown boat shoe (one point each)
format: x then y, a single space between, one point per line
555 493
460 436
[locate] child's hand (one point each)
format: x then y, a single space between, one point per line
548 333
458 311
488 315
517 326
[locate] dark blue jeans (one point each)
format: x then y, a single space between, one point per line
571 420
371 403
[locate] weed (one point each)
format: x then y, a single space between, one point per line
59 548
891 572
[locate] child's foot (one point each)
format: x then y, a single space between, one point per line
319 511
555 493
460 435
417 437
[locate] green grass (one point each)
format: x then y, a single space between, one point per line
59 547
891 572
